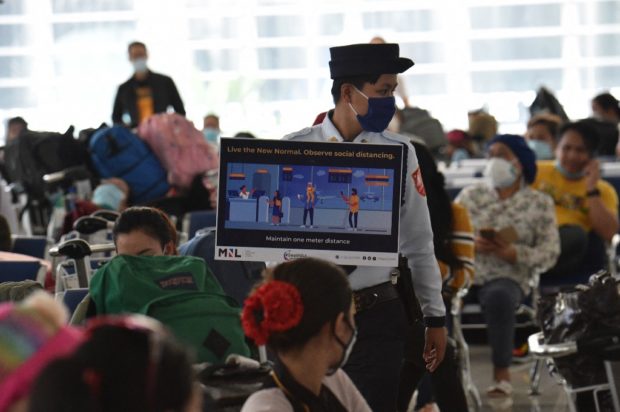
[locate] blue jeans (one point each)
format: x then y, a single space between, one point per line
499 299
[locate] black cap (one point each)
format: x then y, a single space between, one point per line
366 59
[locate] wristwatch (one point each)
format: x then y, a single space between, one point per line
593 193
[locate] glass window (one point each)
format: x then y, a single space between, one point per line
411 21
281 58
603 12
224 27
428 52
16 97
602 77
100 32
417 84
13 35
516 80
331 24
280 26
531 15
12 7
72 6
283 89
601 45
15 66
517 49
207 60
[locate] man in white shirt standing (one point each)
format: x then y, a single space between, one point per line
363 90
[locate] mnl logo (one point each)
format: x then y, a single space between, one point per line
288 255
228 252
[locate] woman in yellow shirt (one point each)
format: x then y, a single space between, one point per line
354 207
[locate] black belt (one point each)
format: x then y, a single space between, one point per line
367 298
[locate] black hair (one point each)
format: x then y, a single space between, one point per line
149 220
278 196
246 135
242 186
357 81
549 122
589 135
111 372
135 44
439 206
325 293
17 120
354 190
608 101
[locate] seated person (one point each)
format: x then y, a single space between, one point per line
32 334
583 201
303 311
140 231
111 194
127 363
542 134
460 146
516 235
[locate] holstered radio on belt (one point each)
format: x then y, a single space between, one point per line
401 276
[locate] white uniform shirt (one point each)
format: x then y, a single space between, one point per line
416 236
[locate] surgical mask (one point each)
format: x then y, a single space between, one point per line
541 149
501 172
567 174
139 65
211 135
347 348
380 111
108 196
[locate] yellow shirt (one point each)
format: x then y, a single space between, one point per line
354 203
569 196
463 248
144 103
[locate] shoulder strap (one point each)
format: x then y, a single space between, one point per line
295 403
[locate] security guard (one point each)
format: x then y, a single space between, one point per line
364 78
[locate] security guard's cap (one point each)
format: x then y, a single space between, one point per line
366 59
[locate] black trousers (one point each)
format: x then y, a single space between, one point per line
447 386
311 211
388 346
353 218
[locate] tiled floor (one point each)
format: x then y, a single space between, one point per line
552 398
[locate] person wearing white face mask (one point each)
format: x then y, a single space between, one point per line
145 93
303 311
516 235
541 135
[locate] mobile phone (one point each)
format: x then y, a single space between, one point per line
488 234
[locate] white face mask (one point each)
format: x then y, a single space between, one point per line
139 65
501 172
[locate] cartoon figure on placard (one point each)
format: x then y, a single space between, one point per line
276 211
309 200
244 194
354 206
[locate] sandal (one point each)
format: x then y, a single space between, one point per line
499 389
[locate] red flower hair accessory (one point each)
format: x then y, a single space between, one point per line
274 307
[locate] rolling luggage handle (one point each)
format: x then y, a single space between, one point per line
556 350
79 250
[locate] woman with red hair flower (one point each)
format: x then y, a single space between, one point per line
303 312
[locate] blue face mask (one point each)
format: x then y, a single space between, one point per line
380 112
541 149
567 174
211 135
108 196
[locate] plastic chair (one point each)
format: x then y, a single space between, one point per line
194 221
17 271
34 246
73 297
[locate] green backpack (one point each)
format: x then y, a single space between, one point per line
179 291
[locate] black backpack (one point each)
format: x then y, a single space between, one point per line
33 154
